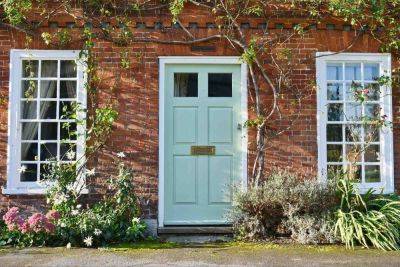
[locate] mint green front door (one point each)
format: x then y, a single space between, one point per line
202 116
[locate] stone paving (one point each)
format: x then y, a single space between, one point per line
200 255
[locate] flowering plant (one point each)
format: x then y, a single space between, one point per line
113 219
37 229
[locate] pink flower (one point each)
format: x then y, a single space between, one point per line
11 215
24 227
37 222
49 227
12 219
53 215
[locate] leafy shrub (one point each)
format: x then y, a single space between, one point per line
38 229
114 219
367 220
283 205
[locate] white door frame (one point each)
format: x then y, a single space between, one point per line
163 61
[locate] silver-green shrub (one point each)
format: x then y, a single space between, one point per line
287 205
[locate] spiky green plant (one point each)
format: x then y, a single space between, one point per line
367 220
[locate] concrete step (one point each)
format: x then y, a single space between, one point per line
195 230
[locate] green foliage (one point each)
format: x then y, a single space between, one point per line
367 220
16 10
250 53
101 127
114 219
282 205
176 7
125 62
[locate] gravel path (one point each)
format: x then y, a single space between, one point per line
210 255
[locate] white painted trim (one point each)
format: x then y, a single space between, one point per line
13 186
161 123
386 144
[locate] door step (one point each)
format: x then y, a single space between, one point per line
195 230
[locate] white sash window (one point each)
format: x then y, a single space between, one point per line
349 98
46 90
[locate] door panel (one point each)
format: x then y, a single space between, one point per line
219 179
185 124
185 176
220 125
202 108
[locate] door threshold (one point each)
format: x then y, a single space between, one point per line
193 230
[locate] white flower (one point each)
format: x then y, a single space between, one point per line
78 206
59 199
70 155
136 220
88 241
97 232
121 155
62 225
90 172
22 169
74 212
68 245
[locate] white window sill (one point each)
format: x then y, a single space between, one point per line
30 191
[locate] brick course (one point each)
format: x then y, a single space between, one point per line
136 91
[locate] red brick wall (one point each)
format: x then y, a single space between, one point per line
136 91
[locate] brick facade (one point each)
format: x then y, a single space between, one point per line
136 91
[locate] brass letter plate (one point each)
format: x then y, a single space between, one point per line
202 150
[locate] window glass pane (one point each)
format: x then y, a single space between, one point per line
373 91
48 109
49 131
49 68
29 151
353 133
371 72
48 89
372 174
352 90
371 133
29 89
28 109
335 91
67 151
48 151
372 153
67 89
220 84
67 131
185 84
335 112
354 172
335 72
334 133
353 153
353 111
30 68
372 111
334 153
29 130
68 69
30 172
67 108
353 71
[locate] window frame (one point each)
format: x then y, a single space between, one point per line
386 140
14 185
